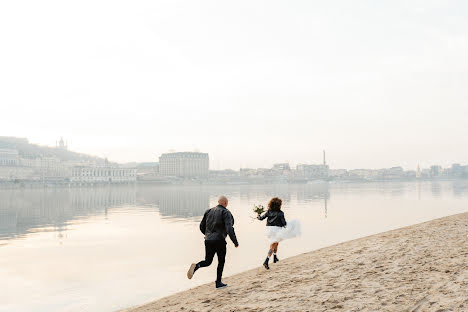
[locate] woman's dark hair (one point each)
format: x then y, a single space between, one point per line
275 204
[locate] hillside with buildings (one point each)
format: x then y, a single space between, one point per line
29 150
21 161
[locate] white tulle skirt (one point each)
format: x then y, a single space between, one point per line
277 234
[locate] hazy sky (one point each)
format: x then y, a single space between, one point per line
252 83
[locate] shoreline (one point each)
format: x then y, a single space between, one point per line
30 184
422 267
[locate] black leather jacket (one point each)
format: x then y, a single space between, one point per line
274 218
217 223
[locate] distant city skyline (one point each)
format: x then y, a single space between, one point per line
59 143
376 85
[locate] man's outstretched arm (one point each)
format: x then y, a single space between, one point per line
203 223
228 223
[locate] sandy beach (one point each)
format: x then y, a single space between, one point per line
423 267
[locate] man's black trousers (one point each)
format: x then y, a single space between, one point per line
213 247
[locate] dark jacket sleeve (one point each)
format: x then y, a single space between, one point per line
203 223
283 220
263 217
229 224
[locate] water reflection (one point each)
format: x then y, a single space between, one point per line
175 202
115 240
459 188
436 189
31 210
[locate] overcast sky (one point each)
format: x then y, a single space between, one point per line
376 84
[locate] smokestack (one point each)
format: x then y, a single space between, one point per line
324 160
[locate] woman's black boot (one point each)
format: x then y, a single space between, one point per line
275 259
265 264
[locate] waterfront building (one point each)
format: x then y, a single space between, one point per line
265 172
53 167
391 173
16 173
458 170
337 173
9 157
33 162
366 174
281 167
34 169
93 175
312 171
425 173
435 171
47 167
223 173
184 165
245 172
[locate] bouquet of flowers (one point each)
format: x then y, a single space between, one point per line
259 209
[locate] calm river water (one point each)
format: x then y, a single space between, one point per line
107 248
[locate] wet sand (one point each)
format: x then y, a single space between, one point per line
423 267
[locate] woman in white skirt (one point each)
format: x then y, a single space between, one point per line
277 228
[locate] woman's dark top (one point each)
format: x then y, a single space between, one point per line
275 218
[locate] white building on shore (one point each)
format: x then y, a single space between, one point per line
9 157
184 164
312 171
93 175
